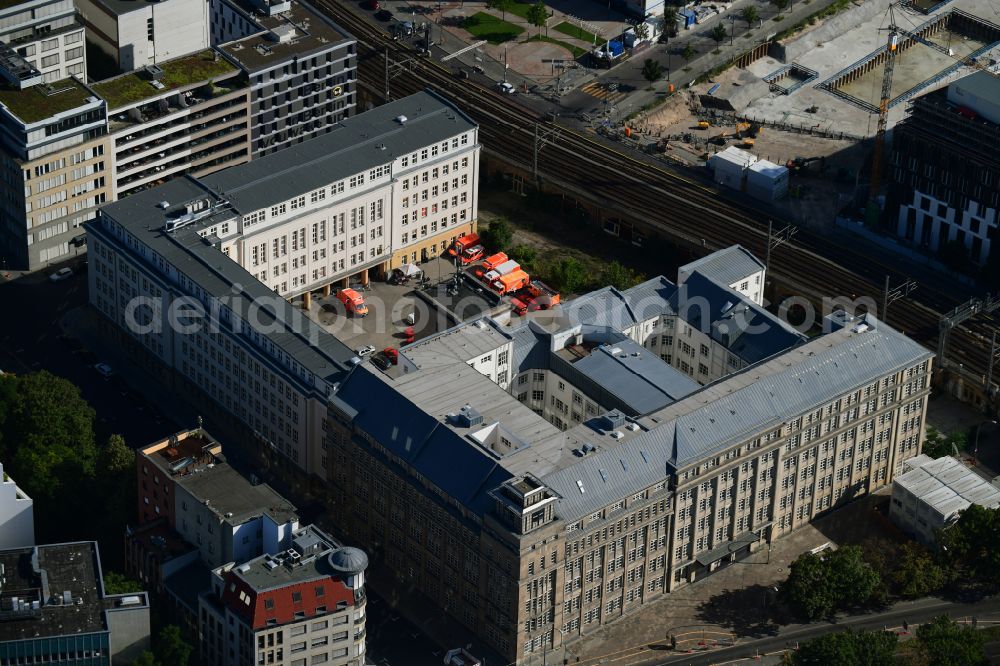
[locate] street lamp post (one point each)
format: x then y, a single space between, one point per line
975 445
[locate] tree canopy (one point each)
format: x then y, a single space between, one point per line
750 14
651 70
498 236
970 545
718 33
818 585
943 642
116 583
864 648
47 433
537 14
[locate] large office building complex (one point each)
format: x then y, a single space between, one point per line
187 108
54 610
534 477
597 476
945 169
383 188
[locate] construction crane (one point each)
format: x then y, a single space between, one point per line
883 113
892 49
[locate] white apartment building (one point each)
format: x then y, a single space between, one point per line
46 34
734 266
302 606
17 515
146 32
283 225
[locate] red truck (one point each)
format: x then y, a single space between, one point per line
542 294
353 302
506 284
467 248
494 260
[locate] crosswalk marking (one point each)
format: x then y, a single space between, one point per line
598 90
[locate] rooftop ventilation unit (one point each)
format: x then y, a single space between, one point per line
401 119
154 72
163 205
468 416
613 419
860 328
617 434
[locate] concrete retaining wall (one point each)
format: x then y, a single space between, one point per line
832 28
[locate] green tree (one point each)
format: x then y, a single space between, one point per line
750 14
116 583
525 255
820 584
865 648
641 31
8 401
915 573
780 4
498 236
808 590
619 276
670 20
651 70
115 458
854 580
570 275
970 545
49 436
688 52
501 6
145 658
170 647
538 15
718 33
943 642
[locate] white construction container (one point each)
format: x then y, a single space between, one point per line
730 165
767 181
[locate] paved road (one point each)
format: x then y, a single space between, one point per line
34 340
630 87
913 612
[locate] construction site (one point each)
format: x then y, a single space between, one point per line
809 102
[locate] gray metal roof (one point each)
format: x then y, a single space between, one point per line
354 145
635 375
531 347
439 453
729 265
466 341
746 329
728 412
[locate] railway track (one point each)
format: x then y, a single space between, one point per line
678 206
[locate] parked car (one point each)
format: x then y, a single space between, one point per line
61 274
383 15
104 370
365 351
373 5
506 88
381 362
